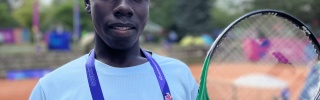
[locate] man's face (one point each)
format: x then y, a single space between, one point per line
119 23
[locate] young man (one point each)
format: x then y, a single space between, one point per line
117 68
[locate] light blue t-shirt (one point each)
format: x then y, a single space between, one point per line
69 82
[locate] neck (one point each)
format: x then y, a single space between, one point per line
118 57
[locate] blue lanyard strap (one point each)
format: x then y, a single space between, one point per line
95 87
93 80
160 77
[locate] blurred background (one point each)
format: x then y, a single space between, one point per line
38 36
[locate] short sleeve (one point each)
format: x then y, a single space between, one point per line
37 93
193 86
194 90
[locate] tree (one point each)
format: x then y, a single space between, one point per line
221 18
315 12
225 12
61 12
305 10
192 16
161 12
6 19
58 2
24 14
297 8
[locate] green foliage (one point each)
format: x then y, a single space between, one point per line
221 18
86 22
161 12
59 2
298 8
61 12
192 16
315 11
305 10
6 19
23 15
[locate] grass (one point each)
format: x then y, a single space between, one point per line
28 48
17 48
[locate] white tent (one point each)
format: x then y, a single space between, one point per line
152 27
260 81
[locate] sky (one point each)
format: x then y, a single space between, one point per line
46 2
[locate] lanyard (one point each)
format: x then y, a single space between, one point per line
94 84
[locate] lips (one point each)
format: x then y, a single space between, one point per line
122 29
122 26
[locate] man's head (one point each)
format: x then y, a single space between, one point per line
118 23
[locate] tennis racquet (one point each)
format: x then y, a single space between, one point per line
263 55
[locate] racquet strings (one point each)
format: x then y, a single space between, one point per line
260 58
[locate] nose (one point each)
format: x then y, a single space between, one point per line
123 9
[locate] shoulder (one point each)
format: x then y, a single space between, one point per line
66 72
179 76
64 82
168 61
172 65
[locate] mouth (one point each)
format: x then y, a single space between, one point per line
122 27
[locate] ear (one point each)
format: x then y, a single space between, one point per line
88 8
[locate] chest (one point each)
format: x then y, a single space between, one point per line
137 87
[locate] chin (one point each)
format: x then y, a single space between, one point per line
121 45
